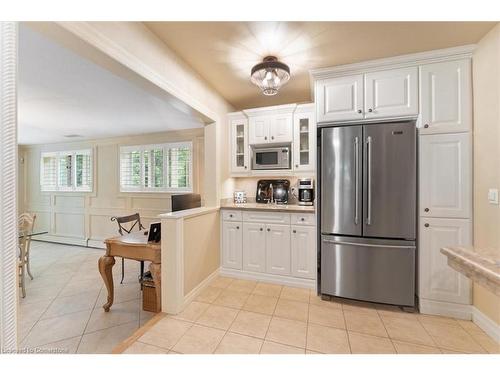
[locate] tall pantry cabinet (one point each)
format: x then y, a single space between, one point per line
445 178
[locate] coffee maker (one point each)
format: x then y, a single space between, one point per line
305 191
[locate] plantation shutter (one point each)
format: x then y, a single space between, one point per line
65 171
83 170
179 161
130 169
48 172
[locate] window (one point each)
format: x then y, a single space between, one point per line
66 171
165 167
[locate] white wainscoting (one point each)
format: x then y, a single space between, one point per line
80 218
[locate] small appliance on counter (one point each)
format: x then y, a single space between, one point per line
240 196
305 187
272 191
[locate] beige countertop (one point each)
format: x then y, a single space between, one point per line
229 204
480 264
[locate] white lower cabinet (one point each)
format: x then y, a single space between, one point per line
438 281
266 242
303 260
254 247
278 249
232 243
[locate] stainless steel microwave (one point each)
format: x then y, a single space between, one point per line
277 157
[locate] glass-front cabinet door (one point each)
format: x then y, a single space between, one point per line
239 145
304 145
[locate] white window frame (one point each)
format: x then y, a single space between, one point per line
164 147
73 187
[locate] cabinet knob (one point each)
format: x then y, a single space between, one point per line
272 137
261 229
370 110
230 215
426 225
302 219
237 227
268 229
294 231
265 138
245 167
426 209
360 111
426 126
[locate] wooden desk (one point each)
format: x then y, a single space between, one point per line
130 246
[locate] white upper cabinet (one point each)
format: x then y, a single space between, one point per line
240 160
259 130
446 97
391 93
304 139
438 281
339 99
281 128
445 175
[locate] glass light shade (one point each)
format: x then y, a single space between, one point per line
270 75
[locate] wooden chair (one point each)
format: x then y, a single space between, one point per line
26 222
132 220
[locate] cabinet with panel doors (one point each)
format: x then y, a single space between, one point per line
273 246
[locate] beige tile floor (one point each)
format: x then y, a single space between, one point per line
63 305
239 316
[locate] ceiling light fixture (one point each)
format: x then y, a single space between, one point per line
270 75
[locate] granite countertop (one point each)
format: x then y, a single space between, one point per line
293 207
480 264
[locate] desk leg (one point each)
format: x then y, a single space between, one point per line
155 269
106 264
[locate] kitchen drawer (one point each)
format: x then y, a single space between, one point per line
303 219
231 215
266 217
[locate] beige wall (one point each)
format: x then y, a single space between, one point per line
201 249
486 78
77 217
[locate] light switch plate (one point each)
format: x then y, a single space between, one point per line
493 196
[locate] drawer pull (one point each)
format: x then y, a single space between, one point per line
426 225
302 219
426 209
261 229
268 229
237 227
294 231
230 215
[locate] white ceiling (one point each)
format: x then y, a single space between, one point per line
62 93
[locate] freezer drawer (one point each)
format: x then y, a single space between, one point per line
368 269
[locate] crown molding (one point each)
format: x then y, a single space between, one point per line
395 62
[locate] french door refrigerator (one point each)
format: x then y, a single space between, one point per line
368 179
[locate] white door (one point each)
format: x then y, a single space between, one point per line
303 251
278 249
304 145
232 243
391 93
438 281
258 130
281 128
445 175
339 99
239 146
446 97
254 247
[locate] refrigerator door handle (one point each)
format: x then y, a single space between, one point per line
369 180
356 179
368 245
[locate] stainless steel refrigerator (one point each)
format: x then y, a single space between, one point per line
368 178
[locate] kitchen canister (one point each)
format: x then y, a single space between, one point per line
240 196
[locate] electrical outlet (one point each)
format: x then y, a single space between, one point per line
493 196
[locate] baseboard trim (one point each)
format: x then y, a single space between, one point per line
490 327
265 277
98 244
188 298
453 310
61 240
